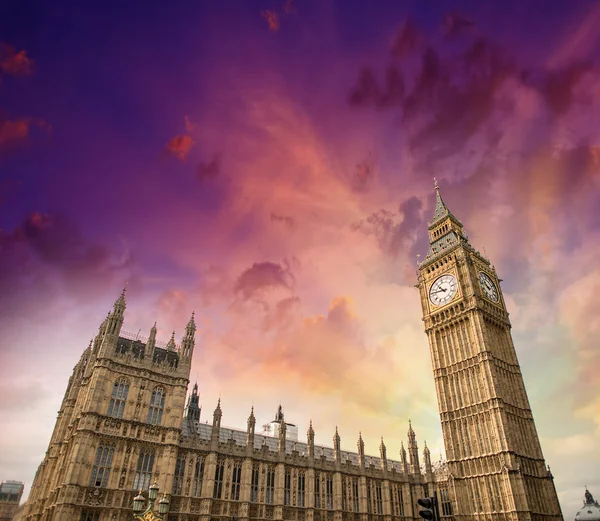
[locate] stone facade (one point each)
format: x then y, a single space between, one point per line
10 496
497 469
124 424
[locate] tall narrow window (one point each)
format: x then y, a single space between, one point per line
329 494
157 403
287 487
400 501
270 491
369 498
198 476
218 488
301 487
102 464
379 497
355 501
344 494
143 472
236 480
317 491
88 515
254 486
116 406
178 476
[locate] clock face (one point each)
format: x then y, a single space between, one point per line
488 287
443 290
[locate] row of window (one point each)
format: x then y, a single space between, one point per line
322 483
118 400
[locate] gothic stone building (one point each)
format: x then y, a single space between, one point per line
122 426
495 461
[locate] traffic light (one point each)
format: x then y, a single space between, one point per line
429 510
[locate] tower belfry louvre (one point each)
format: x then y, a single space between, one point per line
495 461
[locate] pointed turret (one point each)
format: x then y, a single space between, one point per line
282 438
427 458
445 230
310 441
403 458
413 450
250 430
193 409
171 344
383 455
361 450
115 317
216 426
337 447
151 344
188 342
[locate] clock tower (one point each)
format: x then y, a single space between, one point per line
497 469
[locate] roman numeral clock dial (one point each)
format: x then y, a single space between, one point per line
443 290
488 286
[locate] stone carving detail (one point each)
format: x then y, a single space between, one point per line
94 497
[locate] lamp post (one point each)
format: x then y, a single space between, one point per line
149 514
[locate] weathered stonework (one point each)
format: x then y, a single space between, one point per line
495 461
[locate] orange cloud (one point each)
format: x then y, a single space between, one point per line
180 146
14 63
272 19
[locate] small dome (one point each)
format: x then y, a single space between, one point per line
590 511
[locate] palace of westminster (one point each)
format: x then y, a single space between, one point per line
124 424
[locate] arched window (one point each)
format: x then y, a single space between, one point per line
118 398
143 472
198 476
157 403
178 477
102 464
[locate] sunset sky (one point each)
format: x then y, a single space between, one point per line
269 165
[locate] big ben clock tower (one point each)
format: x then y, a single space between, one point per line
497 469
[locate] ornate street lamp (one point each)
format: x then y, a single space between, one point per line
149 514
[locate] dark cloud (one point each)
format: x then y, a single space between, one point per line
559 86
459 97
455 23
210 169
262 276
363 174
15 63
48 254
284 315
284 219
396 232
406 40
367 91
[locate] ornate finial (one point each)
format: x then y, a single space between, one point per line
435 184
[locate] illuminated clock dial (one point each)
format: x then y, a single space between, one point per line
488 286
443 290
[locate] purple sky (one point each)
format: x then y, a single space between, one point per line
270 165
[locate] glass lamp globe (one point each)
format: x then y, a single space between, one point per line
138 502
163 505
153 492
